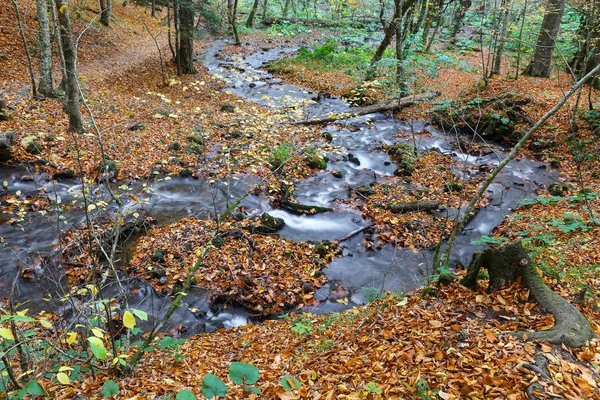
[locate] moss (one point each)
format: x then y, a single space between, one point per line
337 174
315 162
174 146
445 278
185 173
195 139
269 224
453 186
353 159
327 136
429 291
33 147
321 249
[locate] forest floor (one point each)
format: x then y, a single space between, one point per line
454 345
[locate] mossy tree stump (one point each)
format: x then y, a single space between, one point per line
505 264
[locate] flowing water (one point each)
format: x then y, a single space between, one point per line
168 200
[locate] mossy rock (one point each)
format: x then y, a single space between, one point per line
269 224
195 139
454 186
33 147
185 173
558 189
227 107
66 174
352 158
327 136
109 165
322 249
315 162
337 174
158 257
174 146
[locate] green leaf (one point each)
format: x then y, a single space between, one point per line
251 389
33 387
289 382
185 395
97 348
140 314
212 387
110 389
242 373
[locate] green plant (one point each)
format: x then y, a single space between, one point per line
109 389
289 382
423 390
280 156
239 373
371 387
303 327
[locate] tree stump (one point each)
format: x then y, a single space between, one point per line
505 264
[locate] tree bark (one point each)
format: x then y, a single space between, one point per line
501 41
250 20
542 58
185 52
459 17
46 82
505 265
286 8
105 6
232 16
71 102
390 29
24 39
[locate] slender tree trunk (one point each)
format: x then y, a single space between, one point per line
265 9
459 17
105 6
542 58
232 16
173 55
24 39
520 40
176 26
390 29
153 12
501 41
46 82
286 8
71 103
250 20
185 52
61 54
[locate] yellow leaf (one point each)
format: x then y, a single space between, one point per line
91 207
6 334
63 378
98 332
45 323
128 320
65 368
62 9
71 336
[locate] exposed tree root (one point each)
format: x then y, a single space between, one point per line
505 265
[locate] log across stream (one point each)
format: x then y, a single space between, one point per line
390 268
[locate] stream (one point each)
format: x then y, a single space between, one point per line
28 245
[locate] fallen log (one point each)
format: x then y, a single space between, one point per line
302 209
505 265
395 104
413 206
311 21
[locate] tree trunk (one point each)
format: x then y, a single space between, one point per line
501 41
46 82
24 39
390 29
232 16
505 265
250 20
459 16
265 9
71 102
185 52
286 8
542 58
153 12
105 6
